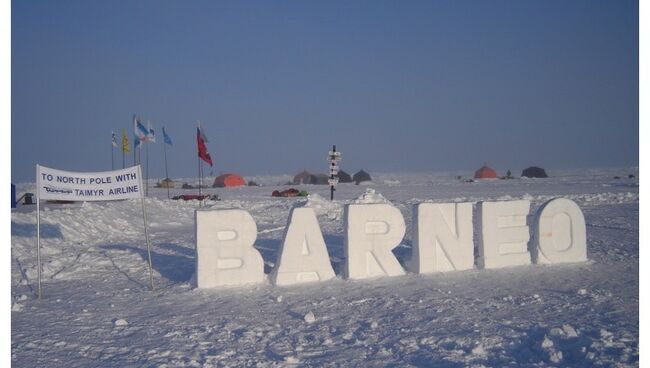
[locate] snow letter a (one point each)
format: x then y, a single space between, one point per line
303 256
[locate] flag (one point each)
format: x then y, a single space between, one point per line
125 142
203 150
151 136
166 138
113 139
136 142
205 139
139 130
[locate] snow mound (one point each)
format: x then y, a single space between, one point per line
370 196
309 317
322 206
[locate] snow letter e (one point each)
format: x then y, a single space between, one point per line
442 238
303 256
560 234
224 249
504 234
371 232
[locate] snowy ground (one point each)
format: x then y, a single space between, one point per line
97 310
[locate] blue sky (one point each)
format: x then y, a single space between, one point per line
397 86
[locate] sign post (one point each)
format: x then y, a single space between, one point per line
90 186
334 158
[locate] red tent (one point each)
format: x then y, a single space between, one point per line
485 173
228 180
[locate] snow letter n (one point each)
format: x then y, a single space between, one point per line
371 233
225 255
442 238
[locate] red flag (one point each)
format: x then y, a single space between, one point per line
203 150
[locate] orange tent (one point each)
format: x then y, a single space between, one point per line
485 173
228 180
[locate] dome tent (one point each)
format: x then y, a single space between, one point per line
228 180
320 179
485 172
361 176
303 177
165 183
344 177
534 172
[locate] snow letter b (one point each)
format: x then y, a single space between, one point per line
371 233
224 249
560 234
303 256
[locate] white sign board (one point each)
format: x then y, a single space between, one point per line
88 186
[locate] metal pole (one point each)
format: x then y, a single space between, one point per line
123 158
146 235
332 177
112 159
38 242
166 174
146 191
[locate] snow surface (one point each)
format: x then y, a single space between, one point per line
97 309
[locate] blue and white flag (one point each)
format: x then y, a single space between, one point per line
151 136
139 130
113 139
166 138
136 142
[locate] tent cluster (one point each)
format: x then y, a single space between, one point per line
305 177
486 172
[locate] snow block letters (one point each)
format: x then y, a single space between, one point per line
224 249
442 241
303 255
371 233
504 234
560 234
442 238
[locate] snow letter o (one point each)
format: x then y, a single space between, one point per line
371 233
560 235
224 249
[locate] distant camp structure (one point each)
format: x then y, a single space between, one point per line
165 183
228 180
303 177
320 179
534 172
344 177
291 192
485 172
361 176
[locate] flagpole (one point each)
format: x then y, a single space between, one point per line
123 156
166 174
112 154
146 188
